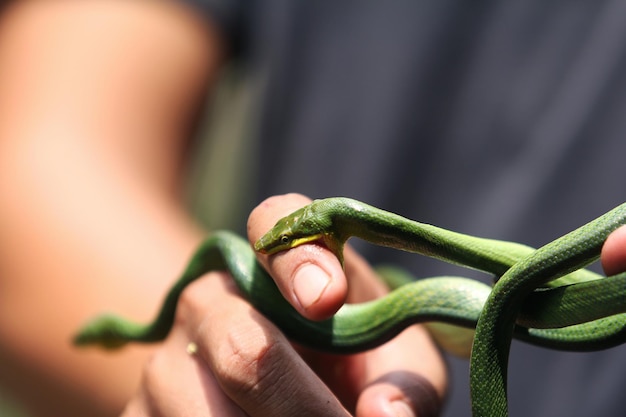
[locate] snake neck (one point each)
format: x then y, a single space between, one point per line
354 218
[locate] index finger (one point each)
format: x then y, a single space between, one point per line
309 276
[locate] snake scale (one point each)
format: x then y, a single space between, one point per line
542 296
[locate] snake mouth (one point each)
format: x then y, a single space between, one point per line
270 243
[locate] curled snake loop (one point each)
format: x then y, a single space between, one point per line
541 296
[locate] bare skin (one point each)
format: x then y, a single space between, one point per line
92 142
97 100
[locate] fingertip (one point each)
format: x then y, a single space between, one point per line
399 394
264 216
401 409
309 285
406 376
322 297
312 279
613 256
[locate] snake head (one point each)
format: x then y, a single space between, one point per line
304 225
103 331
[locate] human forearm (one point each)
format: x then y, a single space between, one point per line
96 99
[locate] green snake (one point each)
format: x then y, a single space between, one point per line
540 296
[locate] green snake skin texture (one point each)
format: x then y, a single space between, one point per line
540 296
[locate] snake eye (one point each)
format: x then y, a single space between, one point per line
284 239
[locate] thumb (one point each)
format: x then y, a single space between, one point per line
309 276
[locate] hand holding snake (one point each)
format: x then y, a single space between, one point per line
377 382
521 271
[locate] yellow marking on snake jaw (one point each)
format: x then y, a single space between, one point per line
305 239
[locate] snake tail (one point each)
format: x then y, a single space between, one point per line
112 331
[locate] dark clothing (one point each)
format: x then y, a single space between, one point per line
496 118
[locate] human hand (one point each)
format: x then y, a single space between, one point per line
240 364
404 374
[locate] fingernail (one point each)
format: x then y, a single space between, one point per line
402 409
309 284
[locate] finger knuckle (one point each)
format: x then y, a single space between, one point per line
195 299
249 362
188 303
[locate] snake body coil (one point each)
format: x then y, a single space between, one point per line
540 296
